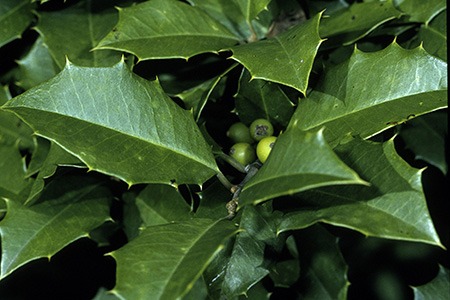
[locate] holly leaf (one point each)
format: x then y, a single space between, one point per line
436 289
72 208
426 137
195 98
13 181
164 29
179 251
261 99
15 16
352 23
421 11
161 204
392 207
348 99
246 265
292 51
73 32
239 17
298 161
434 36
53 157
13 131
323 269
119 124
36 66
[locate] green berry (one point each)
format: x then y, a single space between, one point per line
260 129
244 153
264 147
239 133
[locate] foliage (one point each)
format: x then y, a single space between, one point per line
113 127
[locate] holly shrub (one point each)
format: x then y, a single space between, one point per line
116 180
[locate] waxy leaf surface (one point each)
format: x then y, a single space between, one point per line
323 269
437 289
421 11
355 22
161 204
299 161
36 67
119 124
72 208
393 206
166 29
426 137
293 52
434 36
73 32
262 99
236 15
15 16
166 260
374 91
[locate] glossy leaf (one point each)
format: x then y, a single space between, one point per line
393 206
166 260
118 124
14 131
55 156
323 269
73 32
164 29
246 265
196 97
434 36
299 161
348 99
292 51
161 204
237 16
72 207
261 99
420 11
15 16
437 289
36 66
426 137
355 22
13 182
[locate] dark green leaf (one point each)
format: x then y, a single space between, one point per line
118 124
212 202
164 29
299 161
434 36
196 97
437 289
13 182
392 207
15 16
36 67
421 11
73 32
293 52
374 91
13 131
261 99
54 157
246 264
356 21
324 272
165 261
426 137
161 204
73 207
236 15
